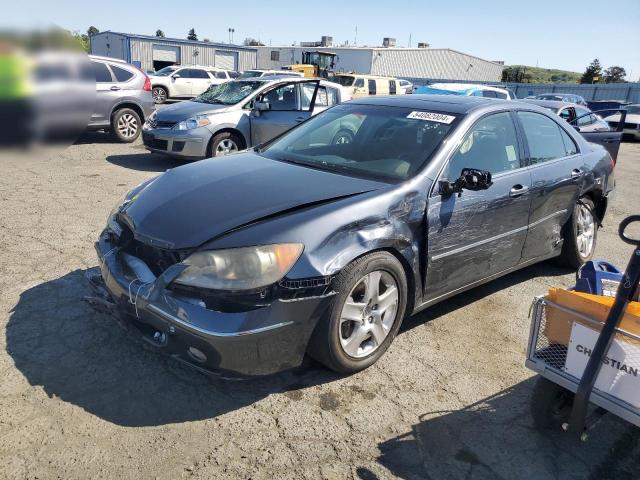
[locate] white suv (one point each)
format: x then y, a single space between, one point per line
186 81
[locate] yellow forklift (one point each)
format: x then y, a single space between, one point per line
314 64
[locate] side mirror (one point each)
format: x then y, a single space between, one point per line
175 75
261 106
470 179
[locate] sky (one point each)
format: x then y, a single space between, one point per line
566 34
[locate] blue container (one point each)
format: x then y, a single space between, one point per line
598 278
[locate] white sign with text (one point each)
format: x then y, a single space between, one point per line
620 372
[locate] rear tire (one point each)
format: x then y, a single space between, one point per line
371 331
126 125
551 404
580 234
159 95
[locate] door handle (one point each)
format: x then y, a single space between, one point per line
518 190
115 88
576 173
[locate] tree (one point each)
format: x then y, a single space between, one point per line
91 31
192 35
206 40
252 42
614 74
159 33
593 73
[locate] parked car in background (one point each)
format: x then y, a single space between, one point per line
123 98
242 264
364 85
466 89
605 108
186 81
562 97
406 85
631 125
269 73
237 115
590 125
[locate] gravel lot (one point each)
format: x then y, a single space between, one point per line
79 398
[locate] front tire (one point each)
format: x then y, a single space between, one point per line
126 125
365 315
580 234
224 143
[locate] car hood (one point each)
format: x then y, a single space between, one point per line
177 112
189 205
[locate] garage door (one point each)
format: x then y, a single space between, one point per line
226 60
166 53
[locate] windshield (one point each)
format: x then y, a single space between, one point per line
391 143
344 80
633 109
228 93
250 74
164 72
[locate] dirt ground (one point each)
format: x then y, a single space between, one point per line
79 398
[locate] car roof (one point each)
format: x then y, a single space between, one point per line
459 87
107 59
448 103
556 104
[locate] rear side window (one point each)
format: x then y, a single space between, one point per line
121 74
220 75
233 74
489 94
102 73
392 87
570 146
332 96
543 137
501 95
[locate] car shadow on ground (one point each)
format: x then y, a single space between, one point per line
543 269
96 137
146 162
60 343
495 438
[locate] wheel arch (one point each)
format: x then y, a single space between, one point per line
132 105
227 129
600 201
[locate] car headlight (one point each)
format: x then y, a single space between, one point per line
193 122
152 117
245 268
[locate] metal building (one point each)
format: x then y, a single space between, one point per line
431 63
153 53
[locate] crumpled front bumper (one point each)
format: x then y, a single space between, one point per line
260 341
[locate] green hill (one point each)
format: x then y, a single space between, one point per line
527 74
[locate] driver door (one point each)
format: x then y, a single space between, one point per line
181 83
479 233
288 105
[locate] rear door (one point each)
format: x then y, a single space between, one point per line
557 173
478 234
288 106
106 93
200 81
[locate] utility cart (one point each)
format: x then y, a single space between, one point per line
586 349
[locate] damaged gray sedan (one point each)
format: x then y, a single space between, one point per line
324 239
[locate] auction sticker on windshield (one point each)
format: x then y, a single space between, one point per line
432 116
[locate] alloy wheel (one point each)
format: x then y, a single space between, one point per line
585 230
225 147
159 95
368 314
127 125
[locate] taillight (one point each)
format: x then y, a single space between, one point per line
147 84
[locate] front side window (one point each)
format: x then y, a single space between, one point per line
383 142
344 80
101 72
359 83
489 94
543 137
197 73
166 71
220 75
566 114
584 118
501 95
491 144
282 98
